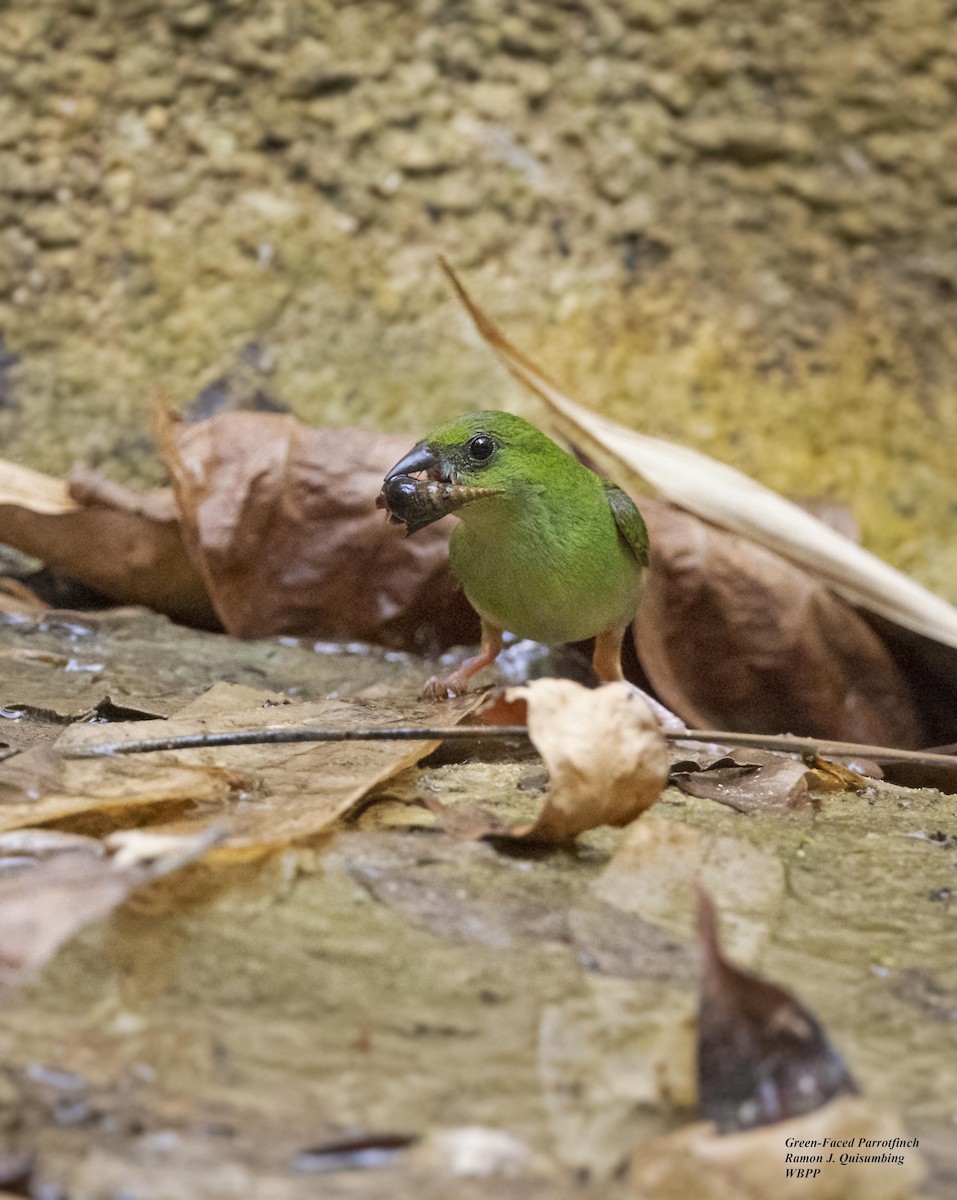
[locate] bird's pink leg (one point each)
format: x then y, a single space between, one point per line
606 657
455 684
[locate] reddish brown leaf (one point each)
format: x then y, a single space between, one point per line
762 1056
281 521
733 636
126 545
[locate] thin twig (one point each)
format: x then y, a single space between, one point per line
274 735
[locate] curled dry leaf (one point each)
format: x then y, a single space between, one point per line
42 906
718 493
124 544
762 1056
695 1161
281 522
764 781
815 572
606 759
733 636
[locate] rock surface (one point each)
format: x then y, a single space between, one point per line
730 224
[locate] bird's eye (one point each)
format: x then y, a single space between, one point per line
481 448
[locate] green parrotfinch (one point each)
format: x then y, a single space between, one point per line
544 548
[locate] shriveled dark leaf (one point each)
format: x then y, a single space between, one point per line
281 521
124 544
733 636
762 1056
781 786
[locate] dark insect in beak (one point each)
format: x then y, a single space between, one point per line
416 503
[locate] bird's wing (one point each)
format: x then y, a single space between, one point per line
629 521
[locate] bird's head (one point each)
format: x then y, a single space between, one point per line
469 459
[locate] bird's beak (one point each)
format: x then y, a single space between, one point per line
420 458
416 503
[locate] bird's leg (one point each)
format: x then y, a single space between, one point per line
455 684
606 657
606 661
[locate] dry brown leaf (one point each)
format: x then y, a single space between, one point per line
725 497
280 793
281 521
695 1161
41 788
762 1056
42 906
126 545
779 784
733 636
16 600
606 759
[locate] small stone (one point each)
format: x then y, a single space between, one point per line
312 71
157 118
194 19
53 227
454 194
424 152
636 215
646 14
672 90
497 101
748 142
533 80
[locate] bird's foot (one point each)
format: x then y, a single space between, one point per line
442 689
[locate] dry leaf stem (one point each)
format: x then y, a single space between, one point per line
785 743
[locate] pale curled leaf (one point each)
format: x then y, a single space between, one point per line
724 496
606 758
43 905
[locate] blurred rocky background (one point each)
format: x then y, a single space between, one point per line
732 224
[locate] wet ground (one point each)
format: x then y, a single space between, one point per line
384 979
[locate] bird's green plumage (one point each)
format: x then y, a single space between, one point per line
558 555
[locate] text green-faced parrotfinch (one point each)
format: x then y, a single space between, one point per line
544 548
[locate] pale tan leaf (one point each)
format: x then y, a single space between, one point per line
30 489
606 758
278 794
